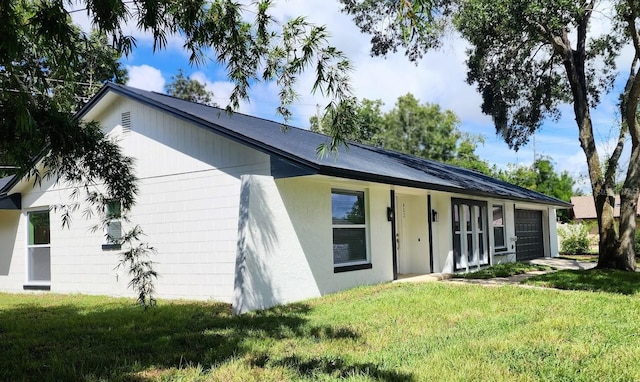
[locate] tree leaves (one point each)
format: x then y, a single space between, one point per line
189 89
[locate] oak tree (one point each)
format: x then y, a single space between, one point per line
423 130
527 58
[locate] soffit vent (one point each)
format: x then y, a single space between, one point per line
126 122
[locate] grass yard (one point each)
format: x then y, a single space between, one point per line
589 258
390 332
595 280
503 270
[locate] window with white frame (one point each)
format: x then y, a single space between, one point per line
38 247
114 225
349 227
499 241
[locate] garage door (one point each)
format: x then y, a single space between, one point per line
530 243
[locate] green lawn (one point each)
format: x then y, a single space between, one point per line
596 280
589 258
503 270
391 332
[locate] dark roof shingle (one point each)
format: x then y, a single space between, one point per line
358 161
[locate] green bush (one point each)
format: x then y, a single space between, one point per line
575 239
637 243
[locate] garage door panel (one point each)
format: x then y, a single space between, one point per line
530 244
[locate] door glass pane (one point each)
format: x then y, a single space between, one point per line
40 264
470 253
467 216
483 255
39 228
457 250
456 217
479 219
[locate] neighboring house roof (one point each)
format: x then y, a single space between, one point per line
297 147
585 208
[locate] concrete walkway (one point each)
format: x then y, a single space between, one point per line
497 281
554 262
563 263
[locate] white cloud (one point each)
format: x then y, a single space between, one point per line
146 77
438 78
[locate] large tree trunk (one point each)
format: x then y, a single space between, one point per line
624 257
628 208
602 187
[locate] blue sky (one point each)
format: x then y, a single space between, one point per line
438 78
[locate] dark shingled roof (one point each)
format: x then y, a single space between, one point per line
6 183
358 161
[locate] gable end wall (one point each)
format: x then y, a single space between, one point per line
188 202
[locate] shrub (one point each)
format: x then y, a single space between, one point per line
637 243
575 239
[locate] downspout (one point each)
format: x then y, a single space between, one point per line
394 249
430 229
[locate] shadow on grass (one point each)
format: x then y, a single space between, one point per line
597 280
336 367
115 340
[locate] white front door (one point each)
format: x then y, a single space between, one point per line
412 238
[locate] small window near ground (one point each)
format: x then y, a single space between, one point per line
499 241
349 228
114 225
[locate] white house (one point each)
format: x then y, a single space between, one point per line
242 212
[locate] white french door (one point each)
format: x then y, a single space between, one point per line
469 233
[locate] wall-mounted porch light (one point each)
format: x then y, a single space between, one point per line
434 215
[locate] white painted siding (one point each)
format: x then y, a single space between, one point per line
11 265
188 205
288 251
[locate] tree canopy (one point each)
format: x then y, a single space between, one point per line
527 58
542 177
423 130
189 89
48 68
